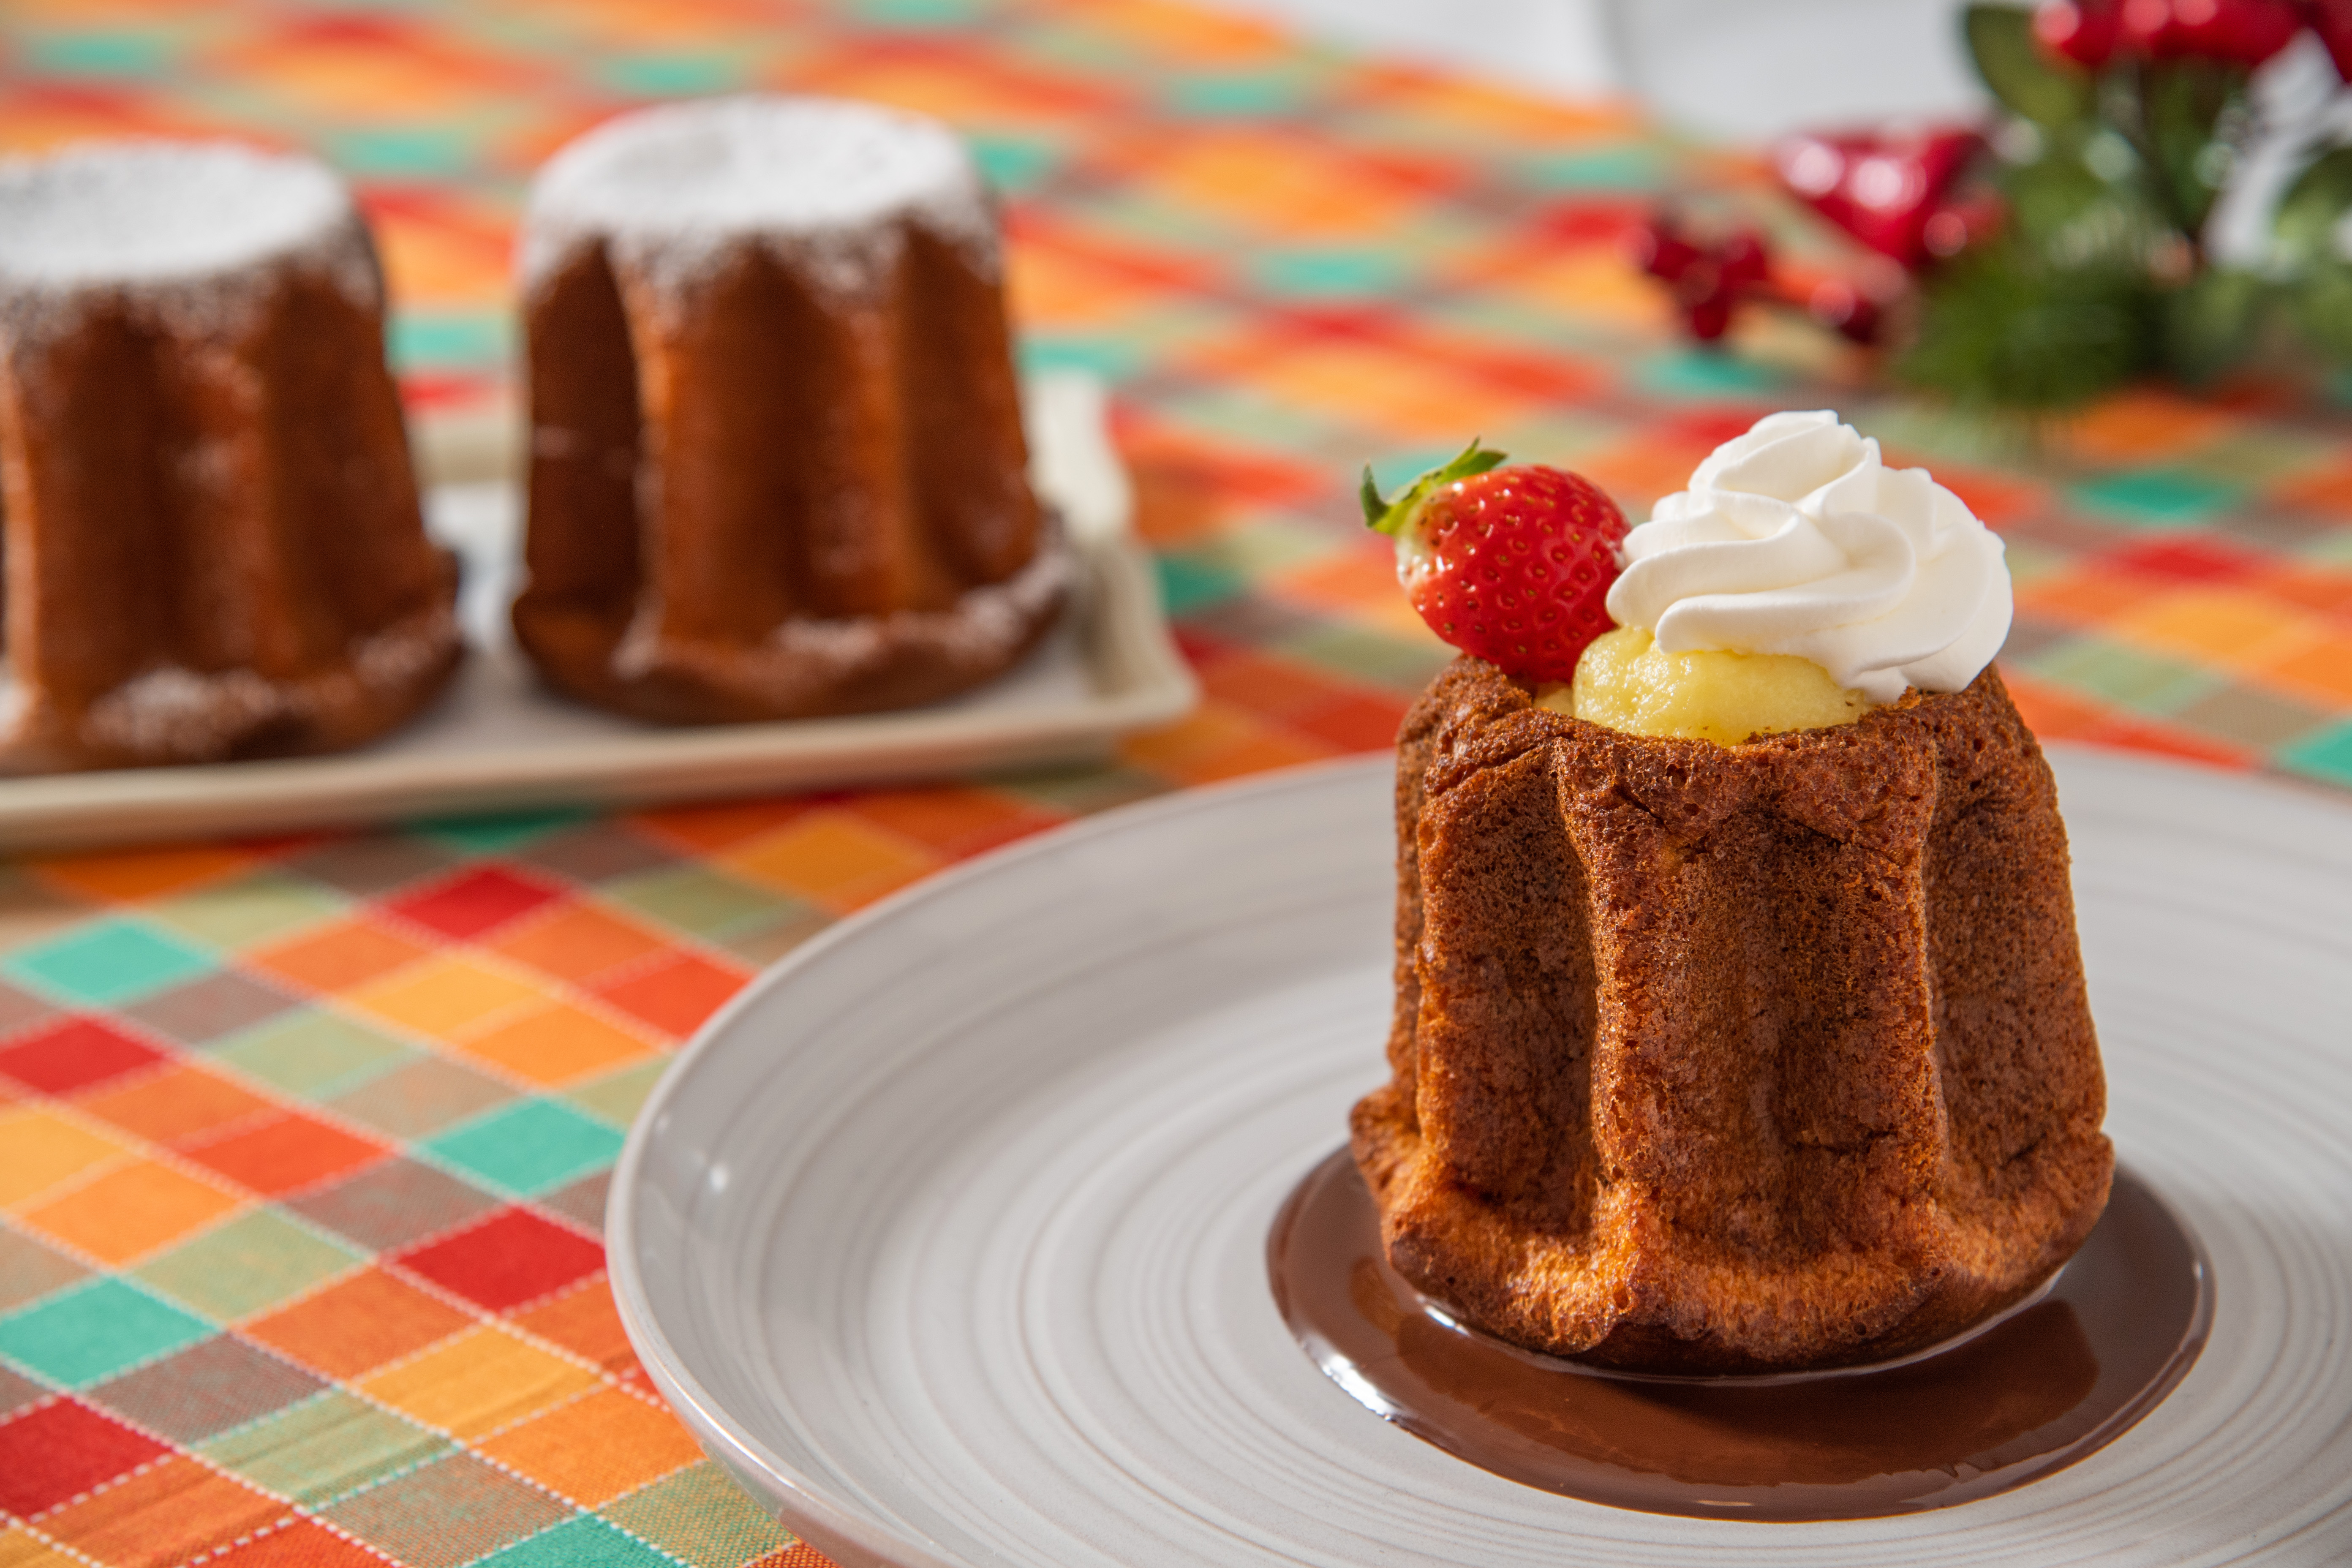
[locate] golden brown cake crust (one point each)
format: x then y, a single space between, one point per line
1713 1058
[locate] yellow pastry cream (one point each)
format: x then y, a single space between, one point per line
1626 682
1797 583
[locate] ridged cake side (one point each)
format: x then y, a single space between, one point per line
1732 1059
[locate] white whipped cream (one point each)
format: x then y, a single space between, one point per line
1796 538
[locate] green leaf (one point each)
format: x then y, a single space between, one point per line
1998 330
2323 308
2182 109
2025 79
2212 323
2307 215
1395 518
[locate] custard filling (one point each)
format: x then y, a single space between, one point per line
1625 682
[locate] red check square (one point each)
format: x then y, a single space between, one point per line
284 1154
478 901
509 1258
73 1056
59 1451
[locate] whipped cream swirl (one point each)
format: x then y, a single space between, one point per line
1796 538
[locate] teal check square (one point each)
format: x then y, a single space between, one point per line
2158 499
497 834
106 962
528 1147
96 54
1706 373
2326 755
1328 273
93 1331
1014 162
439 340
586 1542
1188 582
674 74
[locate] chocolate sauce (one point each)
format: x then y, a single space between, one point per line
2008 1405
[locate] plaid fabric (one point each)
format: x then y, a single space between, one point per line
303 1145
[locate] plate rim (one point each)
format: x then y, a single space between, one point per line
702 1413
869 1543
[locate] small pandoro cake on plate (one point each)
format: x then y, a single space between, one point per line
213 544
1740 1023
776 459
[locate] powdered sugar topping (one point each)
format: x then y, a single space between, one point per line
186 225
823 182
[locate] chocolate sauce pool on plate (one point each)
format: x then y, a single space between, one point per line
2011 1404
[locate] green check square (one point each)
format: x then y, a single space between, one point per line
314 1054
92 1333
617 1096
694 900
254 1261
231 915
324 1448
701 1515
586 1542
528 1147
106 962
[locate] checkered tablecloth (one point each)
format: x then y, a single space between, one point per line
303 1145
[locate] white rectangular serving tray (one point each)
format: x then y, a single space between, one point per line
501 741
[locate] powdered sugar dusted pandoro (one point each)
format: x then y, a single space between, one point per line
824 185
189 235
215 550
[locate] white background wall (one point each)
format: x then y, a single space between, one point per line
1736 69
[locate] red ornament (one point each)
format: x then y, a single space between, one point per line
1510 564
2241 32
2084 31
1885 191
2332 20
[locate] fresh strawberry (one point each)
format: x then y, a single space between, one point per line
1509 564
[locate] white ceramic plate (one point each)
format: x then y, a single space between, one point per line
947 1237
501 741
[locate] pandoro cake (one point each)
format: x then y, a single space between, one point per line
213 543
1751 1057
777 468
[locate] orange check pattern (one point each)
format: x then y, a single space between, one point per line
303 1144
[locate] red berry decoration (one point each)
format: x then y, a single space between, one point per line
1707 279
2084 31
1510 564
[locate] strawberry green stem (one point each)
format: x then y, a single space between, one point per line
1396 518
